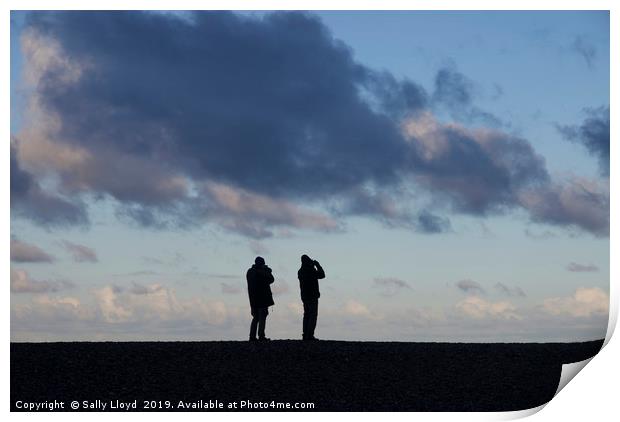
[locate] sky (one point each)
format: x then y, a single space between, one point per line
450 171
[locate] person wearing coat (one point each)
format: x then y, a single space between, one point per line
259 278
309 275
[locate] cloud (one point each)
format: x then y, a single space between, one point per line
577 202
155 304
295 308
224 276
44 310
585 49
585 302
397 98
546 234
384 206
80 253
170 260
157 312
593 134
455 91
21 282
280 287
390 286
230 289
179 135
26 252
137 273
510 291
482 172
366 201
257 247
478 171
478 308
357 310
302 104
470 286
430 223
30 200
254 215
453 88
110 313
581 268
498 91
108 307
139 289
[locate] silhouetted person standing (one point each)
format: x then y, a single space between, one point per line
259 278
309 275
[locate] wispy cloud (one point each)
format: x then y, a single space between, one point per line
390 286
584 48
593 133
26 252
280 287
510 291
581 268
80 253
470 286
258 247
230 289
21 282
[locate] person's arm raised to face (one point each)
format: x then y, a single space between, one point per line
319 270
268 275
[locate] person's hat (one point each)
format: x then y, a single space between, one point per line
259 260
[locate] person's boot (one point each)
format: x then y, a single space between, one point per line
253 339
264 339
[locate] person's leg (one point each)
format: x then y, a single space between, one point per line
253 324
314 310
262 321
310 317
306 319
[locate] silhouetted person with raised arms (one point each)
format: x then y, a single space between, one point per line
309 275
259 279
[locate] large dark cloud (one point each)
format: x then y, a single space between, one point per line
269 104
593 133
238 120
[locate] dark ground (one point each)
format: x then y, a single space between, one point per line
334 375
